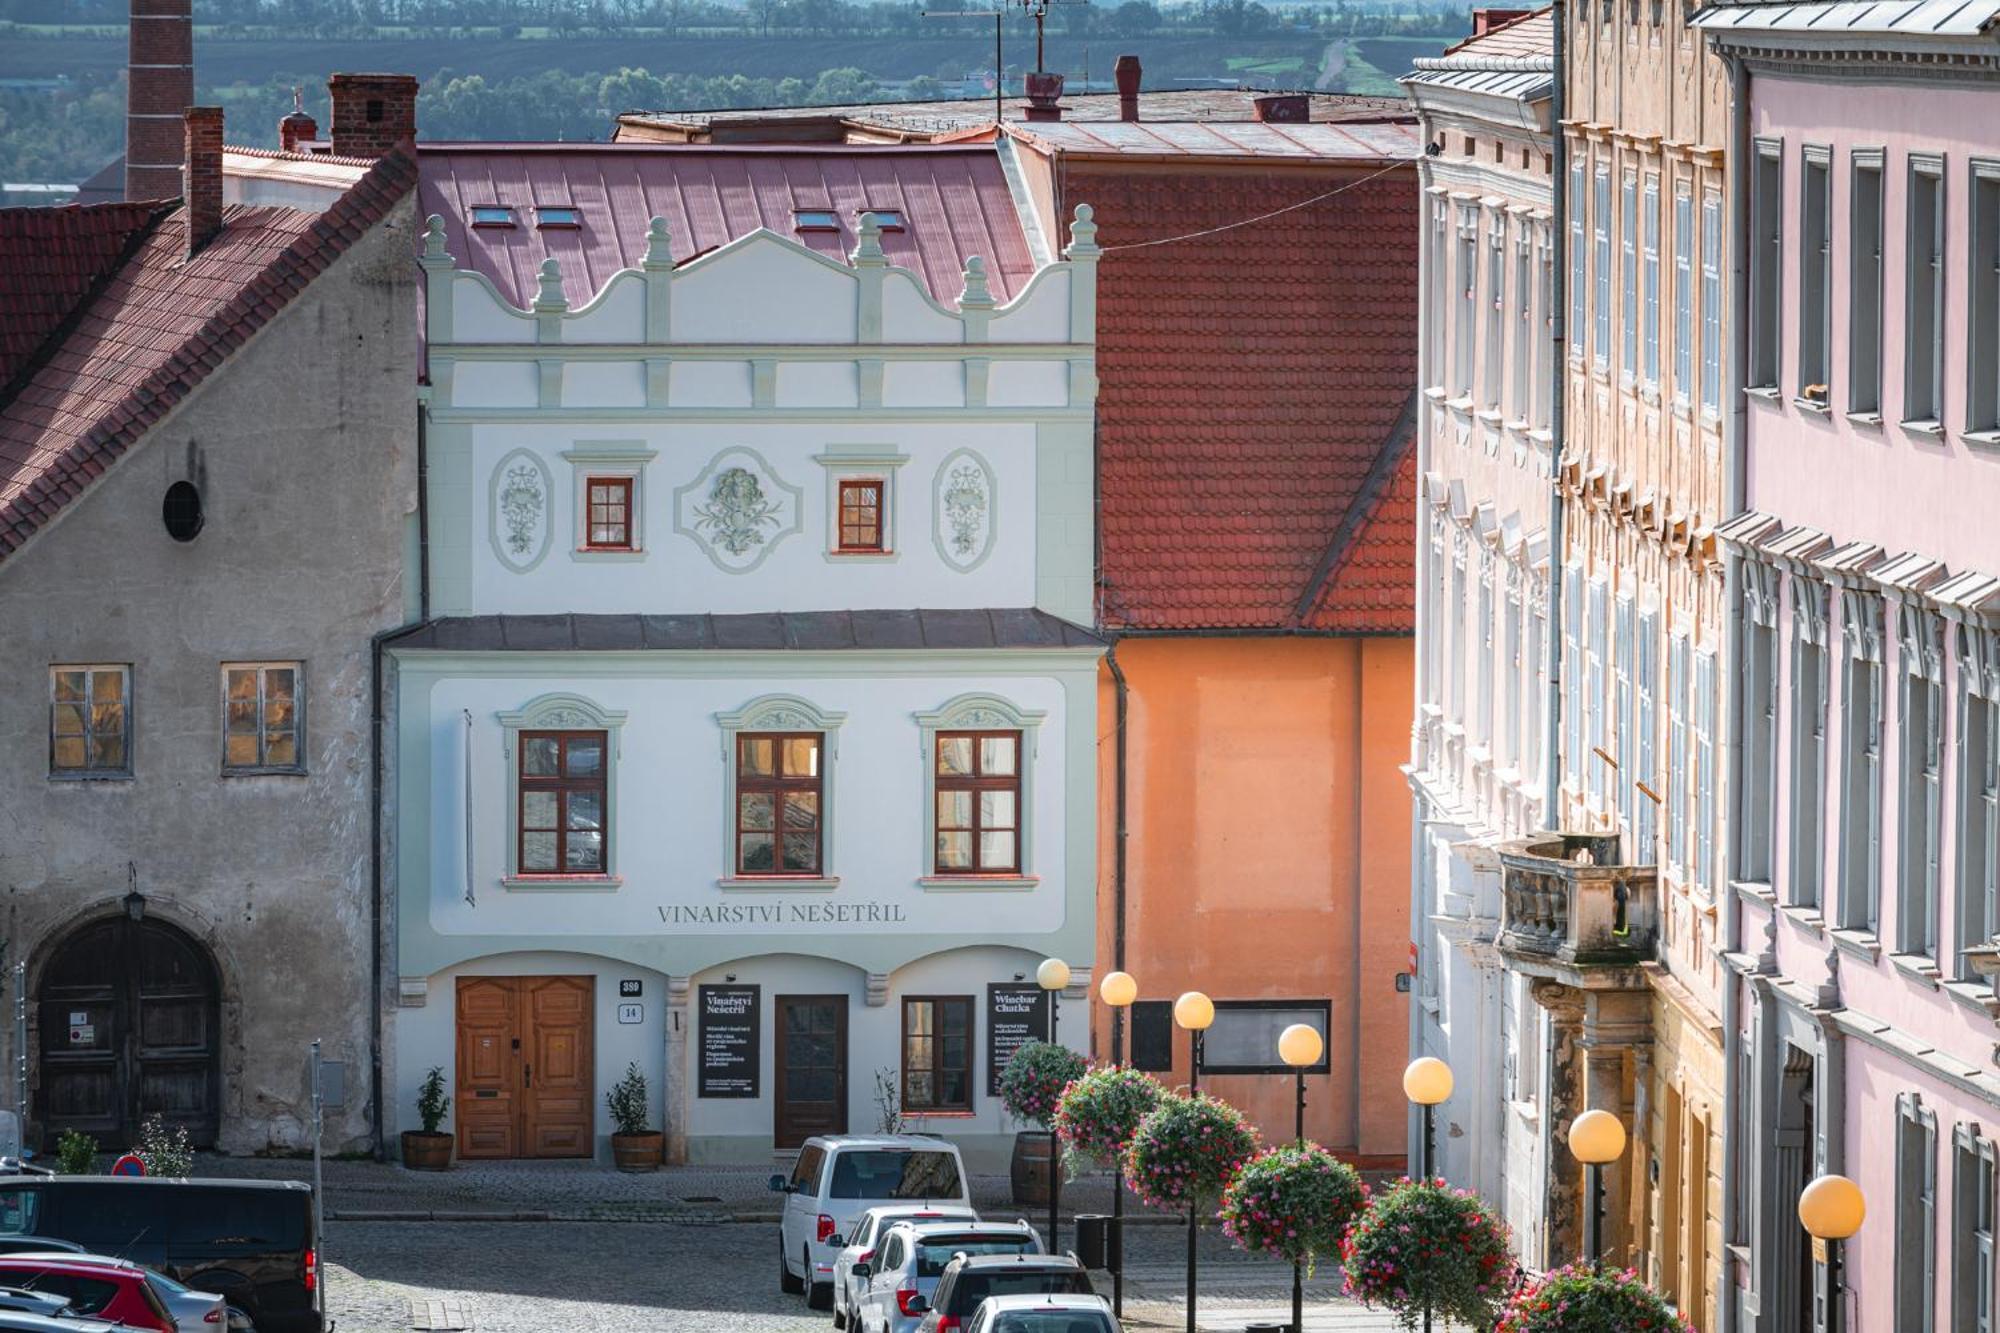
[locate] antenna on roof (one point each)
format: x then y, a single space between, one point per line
1039 9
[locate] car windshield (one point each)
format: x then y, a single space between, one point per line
1051 1321
972 1288
895 1173
934 1252
18 1210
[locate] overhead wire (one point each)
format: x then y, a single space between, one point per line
1261 217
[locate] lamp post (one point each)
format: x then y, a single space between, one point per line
1299 1046
1118 990
1427 1083
1596 1138
1831 1209
1052 976
1193 1011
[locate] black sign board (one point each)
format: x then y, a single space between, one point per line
729 1047
1151 1032
631 988
1015 1016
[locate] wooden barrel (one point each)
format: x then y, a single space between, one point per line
1030 1169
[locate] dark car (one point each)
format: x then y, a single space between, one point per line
249 1241
968 1281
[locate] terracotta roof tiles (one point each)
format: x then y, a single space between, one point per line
54 257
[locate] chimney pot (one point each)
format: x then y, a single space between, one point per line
1282 109
372 113
159 87
1126 72
202 192
1486 20
1044 95
298 127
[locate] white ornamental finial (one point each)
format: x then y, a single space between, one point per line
869 247
1083 234
975 293
549 293
434 238
659 245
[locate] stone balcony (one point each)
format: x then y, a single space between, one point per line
1569 910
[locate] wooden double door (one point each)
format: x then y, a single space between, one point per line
525 1052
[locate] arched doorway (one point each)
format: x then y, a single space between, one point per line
129 1027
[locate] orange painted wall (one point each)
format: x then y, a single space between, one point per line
1269 856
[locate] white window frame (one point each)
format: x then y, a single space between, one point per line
1526 355
780 713
1628 276
980 712
559 712
862 462
1683 294
1920 783
1861 761
1767 263
1982 298
1978 888
616 460
1601 257
1649 300
1810 708
1579 256
1814 361
1975 1198
1915 1236
1711 303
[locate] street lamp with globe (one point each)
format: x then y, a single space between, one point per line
1195 1012
1299 1046
1831 1209
1052 976
1597 1139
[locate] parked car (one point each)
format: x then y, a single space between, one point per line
249 1241
1043 1314
109 1289
839 1177
901 1278
25 1301
15 1321
196 1311
38 1245
861 1244
966 1283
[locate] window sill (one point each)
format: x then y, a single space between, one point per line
605 556
263 772
1858 943
1766 392
1649 394
1872 420
1805 918
563 883
1462 406
1435 393
1755 891
1917 967
1517 427
1989 438
862 557
99 775
778 883
1491 417
978 883
1933 429
1975 995
1809 405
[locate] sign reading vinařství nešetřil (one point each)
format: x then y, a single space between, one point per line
729 1045
1015 1016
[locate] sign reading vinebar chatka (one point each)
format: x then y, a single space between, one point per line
729 1045
1015 1016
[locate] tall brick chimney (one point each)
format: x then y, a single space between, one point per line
1126 74
202 193
159 87
372 113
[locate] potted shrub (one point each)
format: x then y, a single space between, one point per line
1099 1112
1294 1202
1582 1298
1423 1246
429 1148
1186 1150
1030 1087
633 1146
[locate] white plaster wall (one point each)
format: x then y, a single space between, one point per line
670 813
677 574
740 293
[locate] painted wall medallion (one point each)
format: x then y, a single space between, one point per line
737 510
964 496
518 514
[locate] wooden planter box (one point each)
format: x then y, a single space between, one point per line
427 1152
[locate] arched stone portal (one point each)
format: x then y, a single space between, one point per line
130 1027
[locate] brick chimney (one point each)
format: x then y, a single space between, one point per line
297 128
159 87
1126 73
372 113
1486 20
1282 108
202 192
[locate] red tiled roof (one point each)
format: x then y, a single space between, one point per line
156 330
1252 383
1522 38
52 259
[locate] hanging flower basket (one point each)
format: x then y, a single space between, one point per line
1293 1202
1187 1149
1584 1299
1099 1112
1424 1241
1034 1080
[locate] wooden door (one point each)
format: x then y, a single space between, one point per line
525 1064
129 1024
811 1068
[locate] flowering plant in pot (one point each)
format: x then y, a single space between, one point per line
1187 1149
429 1148
1294 1202
1582 1298
1422 1245
1099 1111
1030 1086
633 1146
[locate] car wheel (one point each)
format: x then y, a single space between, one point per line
788 1284
839 1317
819 1295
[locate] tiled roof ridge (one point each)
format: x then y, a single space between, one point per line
281 155
1546 11
147 216
1400 440
255 304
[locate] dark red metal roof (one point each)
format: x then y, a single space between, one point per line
954 200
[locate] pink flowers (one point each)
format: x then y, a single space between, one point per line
1187 1147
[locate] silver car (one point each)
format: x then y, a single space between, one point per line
896 1287
861 1242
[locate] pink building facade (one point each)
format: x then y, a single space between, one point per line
1865 708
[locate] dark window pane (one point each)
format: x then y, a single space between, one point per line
586 809
586 756
539 756
757 851
801 851
754 809
802 810
281 748
586 852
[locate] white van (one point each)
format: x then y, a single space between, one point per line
839 1177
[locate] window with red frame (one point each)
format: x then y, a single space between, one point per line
861 515
778 792
563 818
608 524
937 1053
978 802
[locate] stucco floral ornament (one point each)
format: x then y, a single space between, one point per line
519 519
1581 1298
1293 1202
1423 1245
965 506
964 500
738 509
521 505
